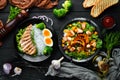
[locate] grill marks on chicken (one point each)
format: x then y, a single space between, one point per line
26 42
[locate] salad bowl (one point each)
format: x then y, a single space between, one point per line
74 50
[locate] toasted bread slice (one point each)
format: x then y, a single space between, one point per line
89 3
101 6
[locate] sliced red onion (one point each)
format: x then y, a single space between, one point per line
7 68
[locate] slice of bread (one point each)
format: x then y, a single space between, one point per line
89 3
101 6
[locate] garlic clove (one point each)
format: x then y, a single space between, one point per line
17 71
56 63
61 59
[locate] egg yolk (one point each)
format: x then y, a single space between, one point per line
48 41
46 33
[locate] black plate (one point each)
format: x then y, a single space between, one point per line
61 35
25 24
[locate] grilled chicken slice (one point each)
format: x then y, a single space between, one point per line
26 42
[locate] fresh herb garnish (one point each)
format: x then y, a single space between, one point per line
14 11
111 40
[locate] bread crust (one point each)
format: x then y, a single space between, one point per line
101 6
89 3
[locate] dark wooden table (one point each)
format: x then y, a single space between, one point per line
8 50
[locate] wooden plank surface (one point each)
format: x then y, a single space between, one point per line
8 51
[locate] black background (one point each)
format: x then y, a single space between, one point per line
8 50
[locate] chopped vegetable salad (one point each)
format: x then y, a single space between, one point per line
80 40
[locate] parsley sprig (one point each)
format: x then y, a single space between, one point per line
14 11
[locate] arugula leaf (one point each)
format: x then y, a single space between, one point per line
18 37
94 36
76 55
99 43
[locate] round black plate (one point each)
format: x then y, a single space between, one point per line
61 35
22 26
